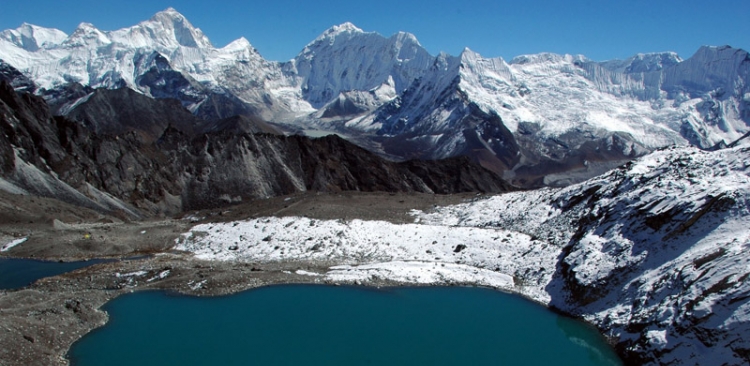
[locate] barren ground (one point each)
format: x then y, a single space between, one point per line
39 323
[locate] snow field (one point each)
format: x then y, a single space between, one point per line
662 243
12 244
361 250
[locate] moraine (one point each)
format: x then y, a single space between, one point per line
653 253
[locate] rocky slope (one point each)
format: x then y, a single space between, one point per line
119 111
542 119
653 253
144 157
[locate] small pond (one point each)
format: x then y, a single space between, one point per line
16 273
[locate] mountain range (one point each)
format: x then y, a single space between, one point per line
543 119
158 163
153 120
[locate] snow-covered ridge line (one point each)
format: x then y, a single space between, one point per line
538 119
654 253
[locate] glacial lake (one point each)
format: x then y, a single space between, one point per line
326 325
16 273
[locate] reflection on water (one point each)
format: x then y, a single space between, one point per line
580 333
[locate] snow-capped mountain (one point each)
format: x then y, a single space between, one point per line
345 58
537 119
567 112
31 37
119 151
655 253
164 56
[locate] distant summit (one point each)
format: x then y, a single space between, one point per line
543 119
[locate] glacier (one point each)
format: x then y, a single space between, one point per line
654 253
543 119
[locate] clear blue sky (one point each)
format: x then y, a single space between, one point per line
601 30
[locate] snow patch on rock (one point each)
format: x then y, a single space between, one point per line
654 253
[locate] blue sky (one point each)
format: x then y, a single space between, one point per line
279 29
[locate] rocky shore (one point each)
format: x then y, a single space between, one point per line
40 322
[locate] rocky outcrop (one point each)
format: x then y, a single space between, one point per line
239 124
123 165
229 167
118 111
539 120
654 253
15 78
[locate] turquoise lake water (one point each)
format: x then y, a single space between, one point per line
325 325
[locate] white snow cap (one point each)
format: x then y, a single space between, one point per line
31 37
337 30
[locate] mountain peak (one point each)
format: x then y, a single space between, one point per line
468 56
169 13
719 51
345 27
653 61
85 26
239 44
546 58
468 52
336 30
406 38
86 33
172 26
31 37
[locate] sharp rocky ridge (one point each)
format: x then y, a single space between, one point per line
162 160
543 119
652 252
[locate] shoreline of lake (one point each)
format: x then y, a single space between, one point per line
41 322
326 325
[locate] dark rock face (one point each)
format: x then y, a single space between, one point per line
15 78
62 98
226 167
118 111
162 81
224 105
180 168
62 159
239 124
342 107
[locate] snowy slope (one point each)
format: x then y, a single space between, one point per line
31 37
345 58
113 59
654 253
558 106
539 119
